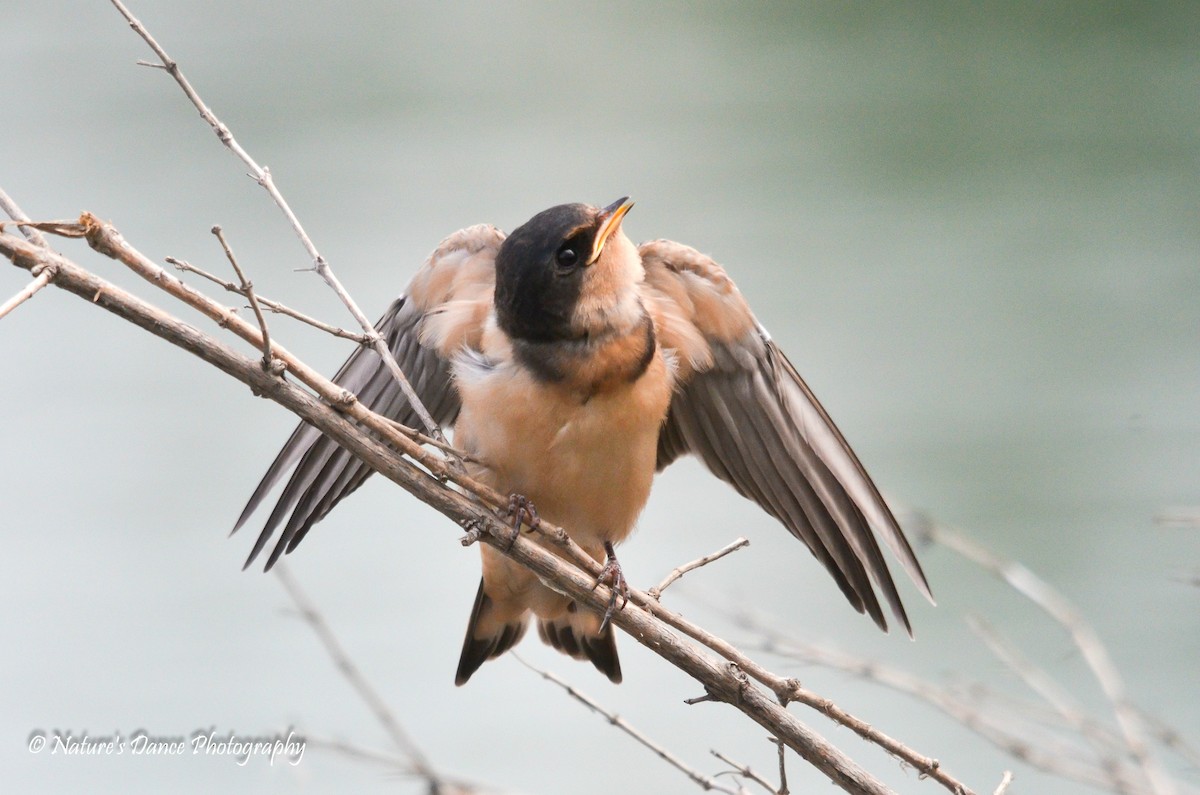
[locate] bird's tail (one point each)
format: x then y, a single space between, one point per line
577 633
489 634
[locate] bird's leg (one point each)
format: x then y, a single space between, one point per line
520 509
612 576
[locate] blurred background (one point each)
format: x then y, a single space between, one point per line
974 230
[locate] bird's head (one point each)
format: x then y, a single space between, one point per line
566 273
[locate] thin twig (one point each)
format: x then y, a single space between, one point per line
384 758
655 593
262 175
1095 654
244 290
17 214
783 785
417 436
274 306
419 764
745 772
27 292
268 362
1053 694
1179 517
1005 780
997 723
356 752
1172 738
705 782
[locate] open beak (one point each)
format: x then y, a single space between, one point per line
610 221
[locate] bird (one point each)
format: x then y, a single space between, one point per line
571 366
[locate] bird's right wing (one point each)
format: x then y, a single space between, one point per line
442 312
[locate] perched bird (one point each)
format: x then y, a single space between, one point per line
573 366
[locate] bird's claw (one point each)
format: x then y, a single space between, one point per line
520 510
612 576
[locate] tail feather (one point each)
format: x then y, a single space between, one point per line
577 634
488 636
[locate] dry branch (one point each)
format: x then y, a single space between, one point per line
416 760
746 772
1011 726
14 212
27 292
705 782
262 175
655 593
367 436
274 306
1085 638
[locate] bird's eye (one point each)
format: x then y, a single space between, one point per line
566 257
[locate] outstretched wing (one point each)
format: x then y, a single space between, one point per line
442 311
744 410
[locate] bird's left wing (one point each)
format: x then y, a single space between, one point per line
442 311
742 408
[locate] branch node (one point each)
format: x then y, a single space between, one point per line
46 268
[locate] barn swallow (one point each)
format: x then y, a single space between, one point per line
573 366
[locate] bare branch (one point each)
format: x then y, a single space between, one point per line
274 306
1049 691
268 362
444 787
1171 737
14 212
384 758
1059 608
783 785
28 291
1005 780
655 593
417 436
705 782
745 772
347 668
1179 517
725 683
1004 725
262 175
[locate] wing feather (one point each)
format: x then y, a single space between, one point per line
442 311
742 408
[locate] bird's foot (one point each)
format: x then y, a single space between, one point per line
520 510
612 576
